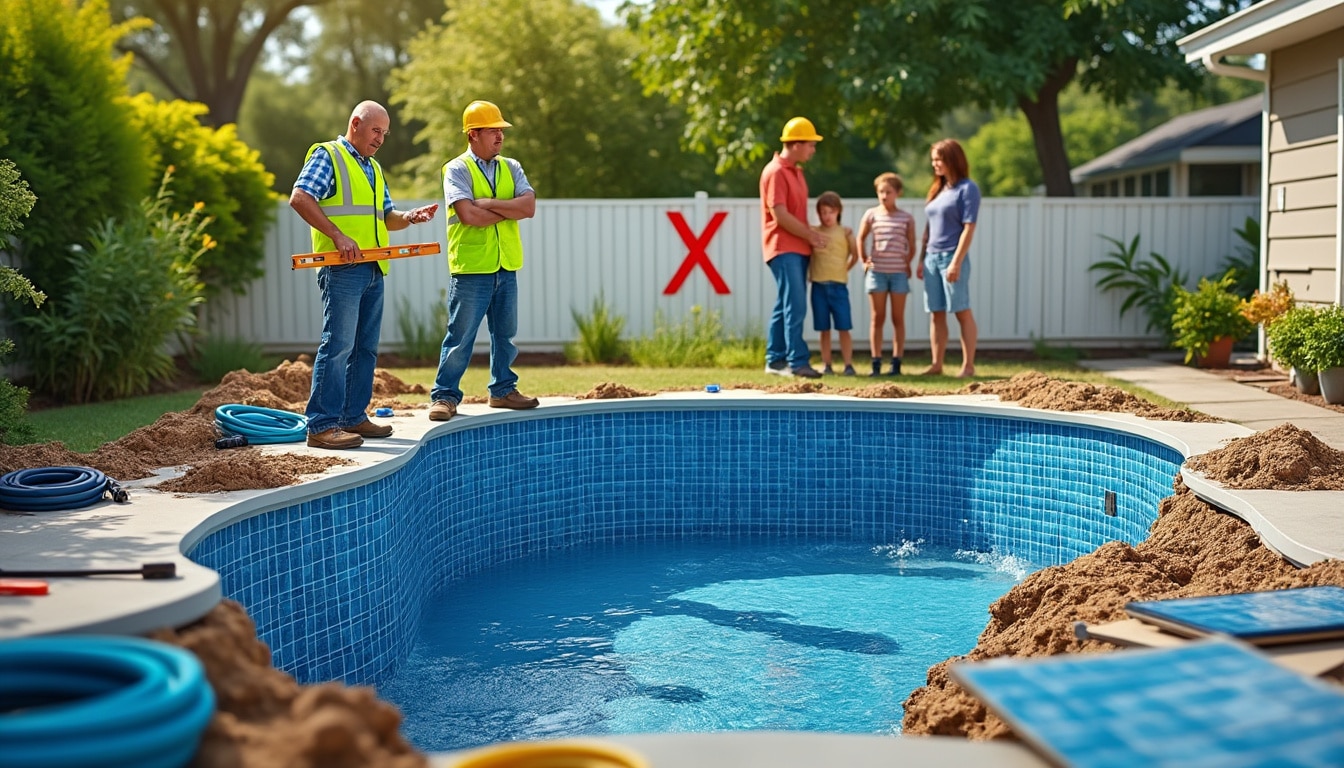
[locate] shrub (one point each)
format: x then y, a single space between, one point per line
1287 337
1244 265
599 335
105 334
692 343
423 342
1264 308
1209 312
212 166
15 203
1150 283
217 356
1323 343
67 126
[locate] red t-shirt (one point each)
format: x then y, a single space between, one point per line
782 183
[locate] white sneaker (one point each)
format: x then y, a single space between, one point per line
783 370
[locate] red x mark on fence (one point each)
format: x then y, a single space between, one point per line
696 253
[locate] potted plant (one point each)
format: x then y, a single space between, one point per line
1324 351
1207 321
1287 338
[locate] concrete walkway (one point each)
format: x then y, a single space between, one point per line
1222 398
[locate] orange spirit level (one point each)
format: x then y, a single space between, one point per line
328 258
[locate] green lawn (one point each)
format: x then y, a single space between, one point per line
85 427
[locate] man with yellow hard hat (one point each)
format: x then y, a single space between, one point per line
486 196
787 242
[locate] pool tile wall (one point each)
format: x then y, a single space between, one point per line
335 583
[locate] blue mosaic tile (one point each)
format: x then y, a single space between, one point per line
335 584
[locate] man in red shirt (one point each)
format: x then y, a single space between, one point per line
787 242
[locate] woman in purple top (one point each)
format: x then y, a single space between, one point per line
951 208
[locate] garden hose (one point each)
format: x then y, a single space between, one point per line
260 425
100 700
47 488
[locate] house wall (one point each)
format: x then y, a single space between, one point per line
1303 235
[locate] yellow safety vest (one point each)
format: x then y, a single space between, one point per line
355 208
483 250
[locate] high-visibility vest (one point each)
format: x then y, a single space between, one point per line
356 208
483 250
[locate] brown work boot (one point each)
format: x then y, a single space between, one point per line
334 439
367 428
442 410
515 400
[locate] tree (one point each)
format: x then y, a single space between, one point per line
889 71
582 126
66 125
205 50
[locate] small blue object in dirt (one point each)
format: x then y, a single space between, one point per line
711 387
383 412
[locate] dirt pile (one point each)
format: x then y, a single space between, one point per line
1282 458
610 390
1032 389
264 719
248 469
1192 549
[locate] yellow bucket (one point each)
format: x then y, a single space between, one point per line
557 754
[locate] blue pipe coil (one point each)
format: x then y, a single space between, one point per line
105 701
47 488
261 426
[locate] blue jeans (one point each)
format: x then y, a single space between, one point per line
785 344
472 298
352 319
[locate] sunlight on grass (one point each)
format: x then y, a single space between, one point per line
85 427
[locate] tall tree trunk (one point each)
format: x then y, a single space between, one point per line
1043 117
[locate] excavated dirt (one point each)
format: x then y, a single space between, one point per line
265 719
610 390
1282 458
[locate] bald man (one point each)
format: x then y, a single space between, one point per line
342 196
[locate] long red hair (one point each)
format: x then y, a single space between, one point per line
954 163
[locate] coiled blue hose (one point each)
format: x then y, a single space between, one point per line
260 425
104 701
47 488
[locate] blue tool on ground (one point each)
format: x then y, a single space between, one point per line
261 426
100 700
49 488
382 412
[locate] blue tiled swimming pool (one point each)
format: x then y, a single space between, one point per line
335 583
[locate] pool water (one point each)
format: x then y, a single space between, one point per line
665 636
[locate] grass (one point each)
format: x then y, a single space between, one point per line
84 428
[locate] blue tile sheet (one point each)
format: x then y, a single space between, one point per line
1262 617
335 583
1206 704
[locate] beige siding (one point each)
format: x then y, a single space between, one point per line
1302 97
1302 195
1316 161
1316 222
1306 60
1302 129
1317 285
1299 254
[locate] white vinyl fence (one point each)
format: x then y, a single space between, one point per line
1030 262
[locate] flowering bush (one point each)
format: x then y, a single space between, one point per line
1264 308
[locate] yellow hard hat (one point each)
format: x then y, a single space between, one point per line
799 129
483 114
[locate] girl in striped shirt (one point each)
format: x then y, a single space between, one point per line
886 264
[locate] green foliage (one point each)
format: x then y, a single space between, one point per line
1287 336
85 427
1150 283
15 203
599 335
1244 265
212 166
64 114
1209 312
423 341
216 356
888 70
1045 351
1323 342
583 126
105 334
698 341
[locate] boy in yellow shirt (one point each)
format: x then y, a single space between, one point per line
829 273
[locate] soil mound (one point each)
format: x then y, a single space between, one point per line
1033 389
1283 458
610 390
248 469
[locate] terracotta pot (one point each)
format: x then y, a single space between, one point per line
1332 385
1219 355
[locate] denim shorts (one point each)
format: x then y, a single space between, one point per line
831 300
940 295
886 282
